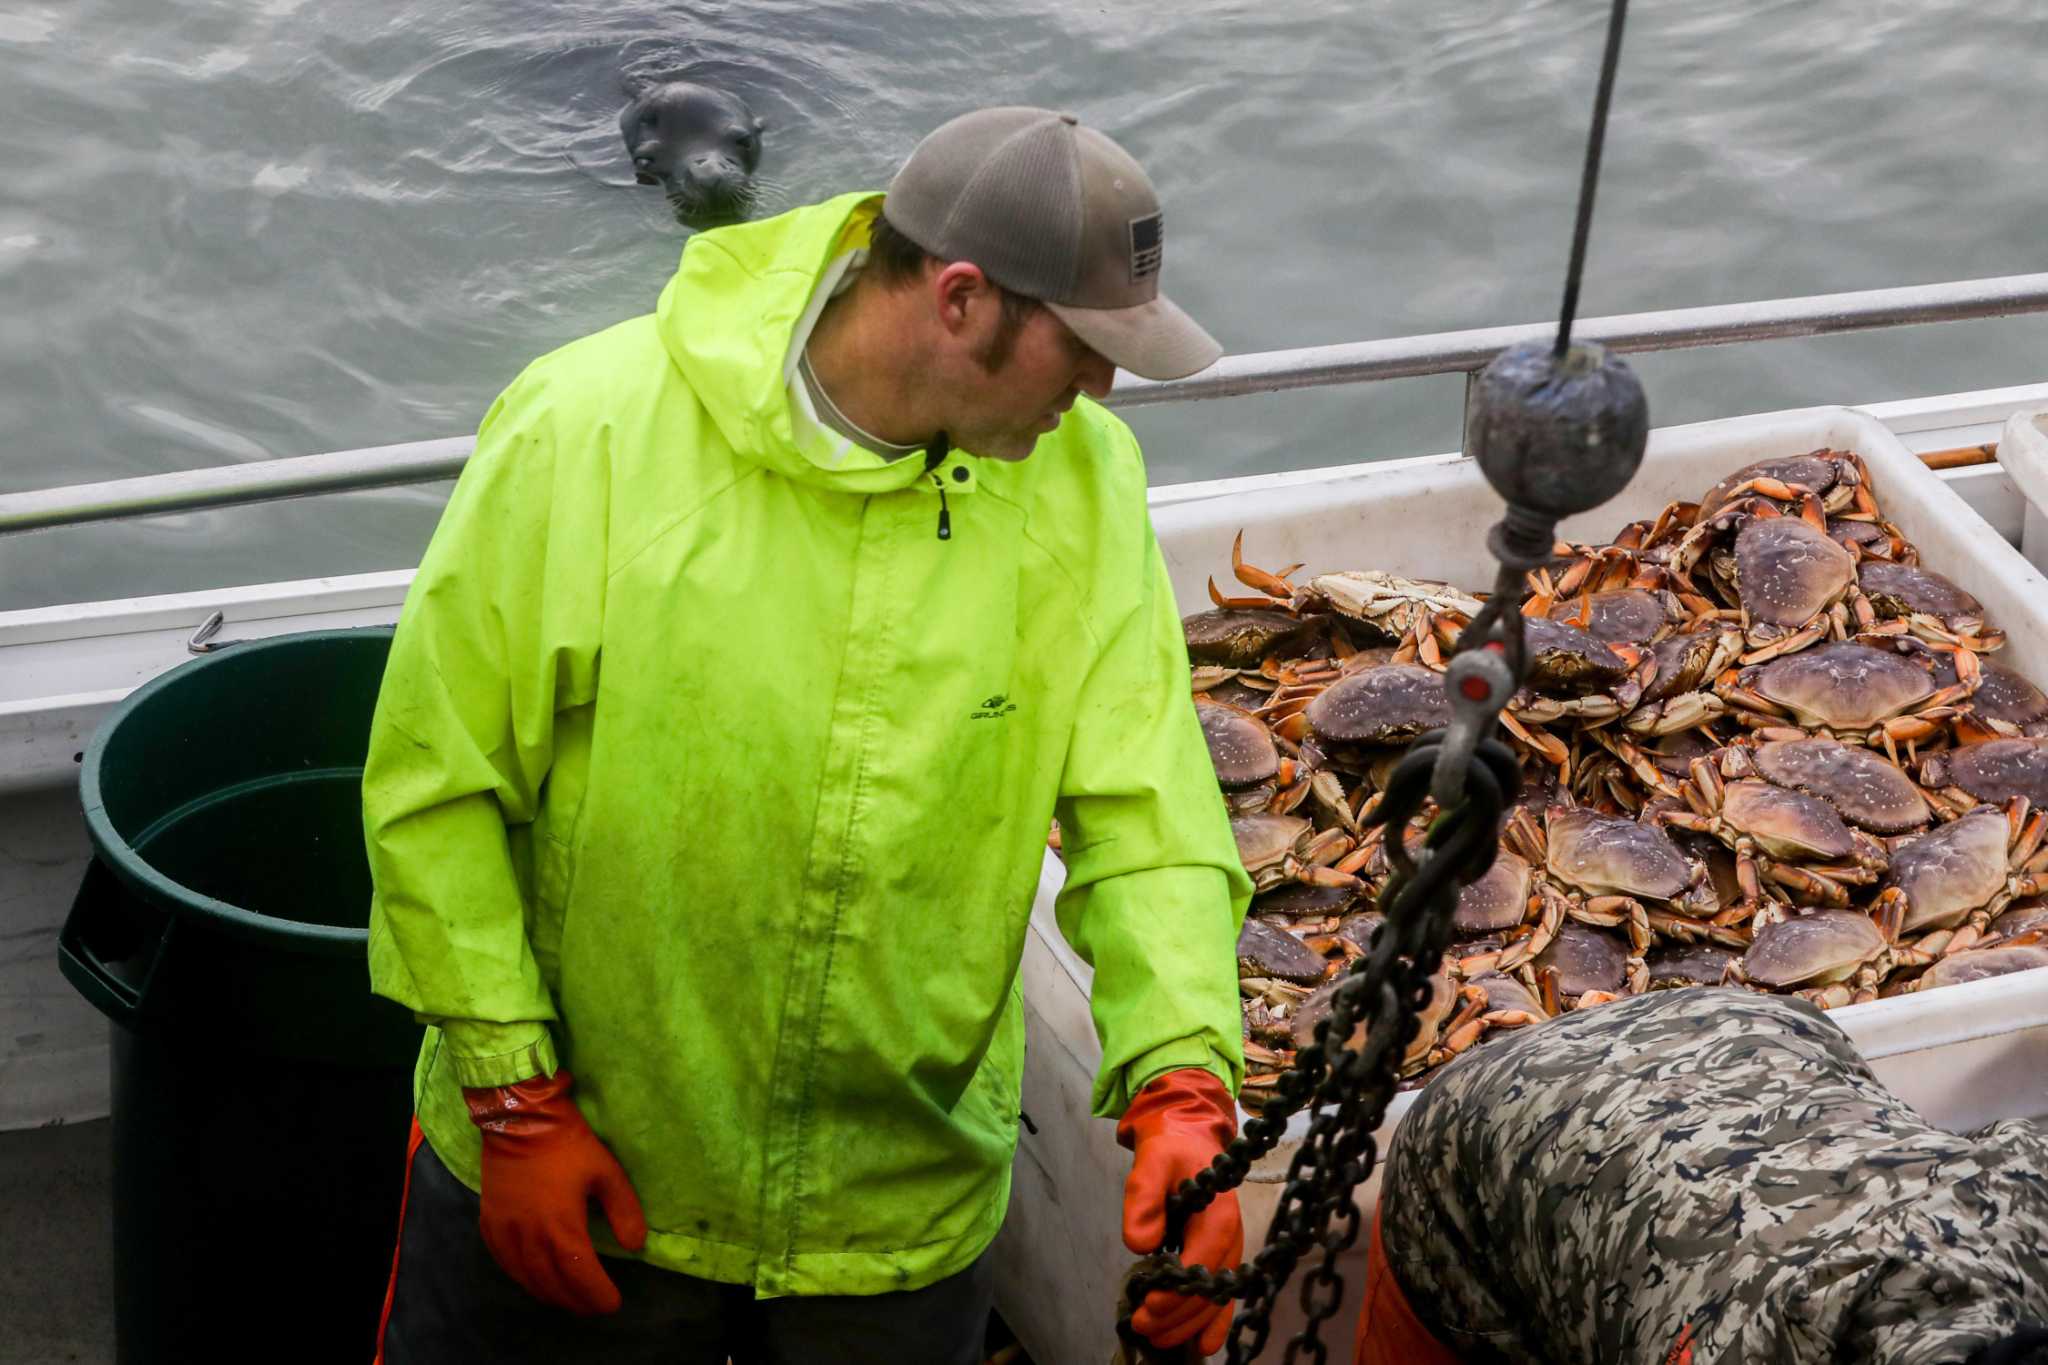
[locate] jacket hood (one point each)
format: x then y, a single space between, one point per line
727 319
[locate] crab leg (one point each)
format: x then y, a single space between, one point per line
1281 710
1812 886
1326 848
1547 746
1524 836
1328 792
1539 934
1294 728
1239 603
1272 584
1637 762
1609 911
1311 875
1354 862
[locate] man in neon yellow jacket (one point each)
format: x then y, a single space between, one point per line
712 771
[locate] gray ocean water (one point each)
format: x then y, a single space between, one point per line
238 230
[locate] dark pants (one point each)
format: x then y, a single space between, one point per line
450 1304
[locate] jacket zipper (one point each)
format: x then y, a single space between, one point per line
934 453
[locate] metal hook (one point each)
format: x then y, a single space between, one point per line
202 641
1481 679
1479 682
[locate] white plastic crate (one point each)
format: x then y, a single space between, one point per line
2023 450
1963 1056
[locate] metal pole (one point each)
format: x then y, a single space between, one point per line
1406 357
1261 372
152 495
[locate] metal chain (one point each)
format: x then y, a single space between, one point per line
1347 1090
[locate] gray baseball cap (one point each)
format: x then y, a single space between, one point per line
1056 212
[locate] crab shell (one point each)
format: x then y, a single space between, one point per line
1697 964
1442 996
1845 687
1834 477
1251 800
1786 824
1950 872
1906 590
1262 1027
1385 601
1722 874
1297 900
1504 992
1265 840
1817 948
1865 788
1240 639
1587 959
2004 697
1995 771
1241 749
1232 691
1983 963
1497 901
1628 616
1614 855
2019 919
1263 950
1684 662
1788 572
1389 704
1562 657
1360 928
1939 663
1866 538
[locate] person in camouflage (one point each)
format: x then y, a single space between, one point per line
1700 1177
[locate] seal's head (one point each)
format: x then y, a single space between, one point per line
700 145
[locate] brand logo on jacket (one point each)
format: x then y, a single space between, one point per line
1681 1349
994 708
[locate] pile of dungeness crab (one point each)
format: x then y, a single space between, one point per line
1762 745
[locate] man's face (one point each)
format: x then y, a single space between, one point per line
1004 403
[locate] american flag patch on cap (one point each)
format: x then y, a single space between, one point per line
1147 245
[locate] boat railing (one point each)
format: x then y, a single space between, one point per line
1358 362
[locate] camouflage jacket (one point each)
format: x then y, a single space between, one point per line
1704 1177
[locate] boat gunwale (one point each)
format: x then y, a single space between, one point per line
1465 351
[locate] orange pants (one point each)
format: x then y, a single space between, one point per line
1389 1333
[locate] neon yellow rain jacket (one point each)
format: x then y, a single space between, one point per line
714 773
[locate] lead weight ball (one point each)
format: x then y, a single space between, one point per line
1557 435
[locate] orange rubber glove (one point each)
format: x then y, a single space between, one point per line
541 1168
1175 1127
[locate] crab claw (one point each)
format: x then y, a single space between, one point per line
1236 603
1272 584
1773 488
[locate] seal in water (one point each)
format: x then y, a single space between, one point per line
700 145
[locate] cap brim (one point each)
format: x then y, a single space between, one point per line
1153 340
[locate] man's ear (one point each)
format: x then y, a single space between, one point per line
954 288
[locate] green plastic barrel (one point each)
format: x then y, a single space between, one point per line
261 1094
